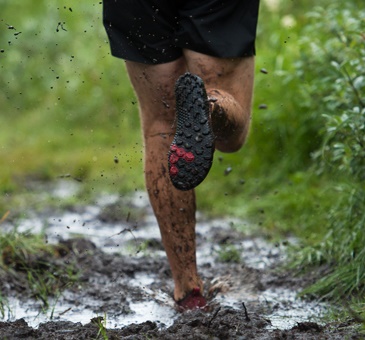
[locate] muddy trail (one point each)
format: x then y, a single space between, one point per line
124 289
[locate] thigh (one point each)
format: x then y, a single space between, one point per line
154 86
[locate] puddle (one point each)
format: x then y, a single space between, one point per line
126 238
289 310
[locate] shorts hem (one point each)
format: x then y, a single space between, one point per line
142 60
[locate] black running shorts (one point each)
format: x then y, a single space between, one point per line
157 31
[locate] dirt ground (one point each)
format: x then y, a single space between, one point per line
107 286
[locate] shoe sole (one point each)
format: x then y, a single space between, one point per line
191 152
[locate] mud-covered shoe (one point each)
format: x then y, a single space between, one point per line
191 152
194 300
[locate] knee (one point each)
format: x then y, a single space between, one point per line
230 145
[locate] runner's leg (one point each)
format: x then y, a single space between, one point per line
174 209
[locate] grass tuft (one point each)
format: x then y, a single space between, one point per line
35 265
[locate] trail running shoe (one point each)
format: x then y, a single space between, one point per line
192 301
191 152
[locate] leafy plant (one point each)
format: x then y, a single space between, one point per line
333 64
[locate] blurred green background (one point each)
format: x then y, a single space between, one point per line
67 109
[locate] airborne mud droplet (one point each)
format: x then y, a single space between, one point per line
227 171
264 71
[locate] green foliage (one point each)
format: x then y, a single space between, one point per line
339 62
345 142
333 64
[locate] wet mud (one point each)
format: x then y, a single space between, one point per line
124 290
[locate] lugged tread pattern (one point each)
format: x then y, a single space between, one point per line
191 152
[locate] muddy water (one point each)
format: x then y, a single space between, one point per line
128 232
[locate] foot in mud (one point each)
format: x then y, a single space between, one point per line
191 152
194 300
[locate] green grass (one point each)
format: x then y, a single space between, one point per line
67 105
31 260
228 253
3 305
100 322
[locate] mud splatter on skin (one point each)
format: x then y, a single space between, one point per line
175 213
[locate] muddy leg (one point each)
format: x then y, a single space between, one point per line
174 209
229 84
